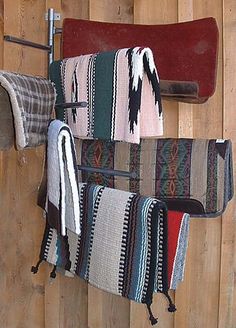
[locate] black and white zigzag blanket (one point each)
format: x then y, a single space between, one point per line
121 88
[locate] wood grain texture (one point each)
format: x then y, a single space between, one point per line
197 297
22 294
160 12
1 32
227 294
25 19
116 11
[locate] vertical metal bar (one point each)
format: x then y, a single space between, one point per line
50 36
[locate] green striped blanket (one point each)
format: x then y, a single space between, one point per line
122 248
121 88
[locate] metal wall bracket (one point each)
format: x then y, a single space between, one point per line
56 16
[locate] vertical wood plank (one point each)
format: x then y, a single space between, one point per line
116 11
227 295
1 32
25 19
185 130
197 296
160 12
21 225
22 294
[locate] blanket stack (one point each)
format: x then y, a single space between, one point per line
32 100
122 92
140 159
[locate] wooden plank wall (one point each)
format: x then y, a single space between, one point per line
207 297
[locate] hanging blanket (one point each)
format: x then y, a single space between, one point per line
190 175
178 230
62 203
121 89
108 155
32 101
122 248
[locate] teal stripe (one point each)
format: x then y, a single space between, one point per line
138 265
55 76
104 67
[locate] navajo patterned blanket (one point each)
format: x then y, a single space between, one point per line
122 248
121 89
190 175
127 157
62 201
32 101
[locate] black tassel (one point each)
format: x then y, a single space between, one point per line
34 269
53 273
171 307
152 319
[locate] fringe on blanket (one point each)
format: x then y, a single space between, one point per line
122 248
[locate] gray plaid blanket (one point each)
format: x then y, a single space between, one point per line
32 100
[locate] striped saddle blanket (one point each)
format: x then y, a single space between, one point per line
122 248
121 89
191 175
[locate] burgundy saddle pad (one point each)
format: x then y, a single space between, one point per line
182 51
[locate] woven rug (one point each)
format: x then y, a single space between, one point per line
190 175
62 202
127 157
122 248
32 101
121 89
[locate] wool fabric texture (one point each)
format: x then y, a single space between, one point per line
122 248
191 175
122 92
62 202
178 232
141 160
32 100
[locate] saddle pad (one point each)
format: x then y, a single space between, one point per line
32 100
191 175
183 51
124 106
122 248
